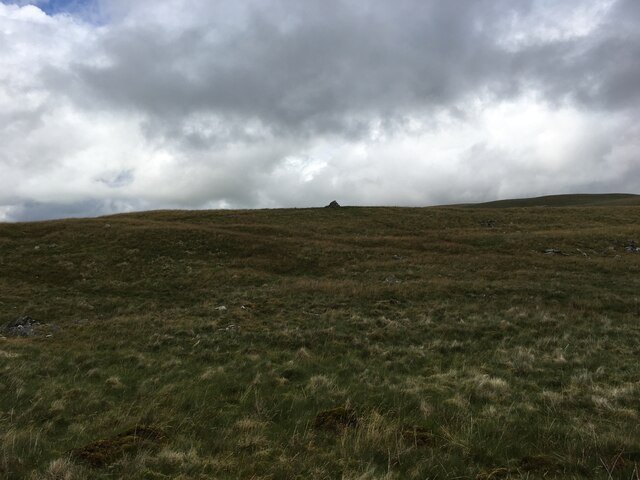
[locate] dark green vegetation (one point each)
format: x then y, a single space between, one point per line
569 200
355 343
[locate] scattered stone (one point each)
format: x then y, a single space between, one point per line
396 257
632 247
336 419
333 204
229 328
488 223
106 452
553 251
23 326
221 308
391 279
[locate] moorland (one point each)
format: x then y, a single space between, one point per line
479 341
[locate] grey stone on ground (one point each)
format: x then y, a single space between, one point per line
333 204
23 326
488 223
553 251
632 247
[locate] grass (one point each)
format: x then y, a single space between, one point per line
354 343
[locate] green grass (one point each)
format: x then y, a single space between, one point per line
356 343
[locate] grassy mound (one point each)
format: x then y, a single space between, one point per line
568 200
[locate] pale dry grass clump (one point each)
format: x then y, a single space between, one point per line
177 458
249 424
369 473
8 355
62 469
552 399
602 403
95 373
489 383
459 401
319 383
488 387
303 353
521 359
374 431
558 356
58 406
212 372
114 382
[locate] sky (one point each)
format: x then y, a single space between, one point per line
112 105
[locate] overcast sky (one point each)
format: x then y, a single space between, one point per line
118 105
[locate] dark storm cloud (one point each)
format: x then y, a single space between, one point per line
599 71
329 68
308 68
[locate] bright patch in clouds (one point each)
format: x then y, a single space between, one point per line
112 106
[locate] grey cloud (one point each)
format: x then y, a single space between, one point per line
343 63
118 179
338 66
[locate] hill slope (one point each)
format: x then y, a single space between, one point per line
322 343
570 200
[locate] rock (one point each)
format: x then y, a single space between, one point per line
553 251
488 223
221 308
23 326
229 328
333 204
391 279
632 247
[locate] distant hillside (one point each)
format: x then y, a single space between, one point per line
571 200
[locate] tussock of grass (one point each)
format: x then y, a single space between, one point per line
106 452
354 343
